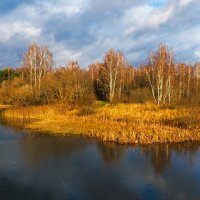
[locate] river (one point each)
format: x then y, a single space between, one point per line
44 167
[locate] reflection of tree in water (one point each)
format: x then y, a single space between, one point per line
188 149
16 124
160 154
111 152
37 148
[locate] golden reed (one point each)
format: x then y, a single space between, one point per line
122 123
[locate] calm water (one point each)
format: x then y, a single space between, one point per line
46 167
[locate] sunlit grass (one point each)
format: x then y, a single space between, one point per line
4 106
122 123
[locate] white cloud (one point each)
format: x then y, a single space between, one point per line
25 30
197 54
84 30
68 8
135 18
145 16
158 17
62 56
185 2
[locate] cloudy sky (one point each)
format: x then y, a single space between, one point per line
84 30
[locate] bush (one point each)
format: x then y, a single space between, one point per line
140 95
86 110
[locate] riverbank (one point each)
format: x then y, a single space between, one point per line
122 123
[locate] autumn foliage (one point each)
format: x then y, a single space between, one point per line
160 80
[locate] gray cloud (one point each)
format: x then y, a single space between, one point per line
85 29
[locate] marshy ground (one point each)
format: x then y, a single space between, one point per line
121 123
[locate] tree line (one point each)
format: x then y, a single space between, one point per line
161 80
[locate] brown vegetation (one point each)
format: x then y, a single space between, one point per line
160 80
122 123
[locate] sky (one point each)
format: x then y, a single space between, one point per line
84 30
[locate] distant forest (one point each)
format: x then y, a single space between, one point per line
161 80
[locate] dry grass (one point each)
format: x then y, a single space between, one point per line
4 106
122 123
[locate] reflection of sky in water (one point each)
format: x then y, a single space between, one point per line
45 167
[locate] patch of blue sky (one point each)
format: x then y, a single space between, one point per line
157 3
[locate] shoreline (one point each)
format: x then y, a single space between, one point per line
123 124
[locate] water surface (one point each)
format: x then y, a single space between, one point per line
38 167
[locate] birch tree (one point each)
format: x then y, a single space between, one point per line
39 61
110 72
159 73
197 77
